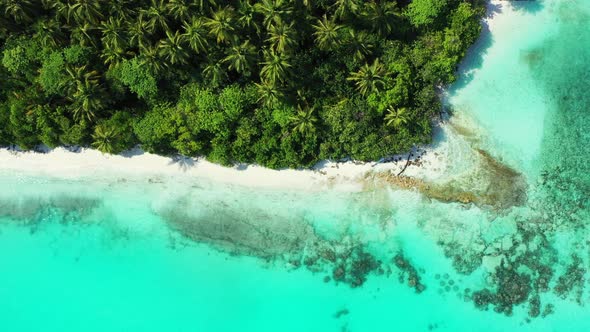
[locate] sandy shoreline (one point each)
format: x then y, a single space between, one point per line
63 163
432 163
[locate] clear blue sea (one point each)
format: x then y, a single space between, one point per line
129 253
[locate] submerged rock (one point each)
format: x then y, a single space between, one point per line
408 272
274 238
512 288
490 182
572 280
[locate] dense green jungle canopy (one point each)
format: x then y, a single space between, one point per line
274 82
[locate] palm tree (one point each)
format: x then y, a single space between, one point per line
381 16
87 100
155 16
246 14
275 67
241 57
113 56
369 78
22 11
221 25
150 57
196 35
204 5
273 11
123 10
179 9
269 94
345 8
49 33
397 117
215 73
86 11
113 33
304 121
281 36
172 48
137 33
326 33
78 75
83 34
62 10
104 139
359 44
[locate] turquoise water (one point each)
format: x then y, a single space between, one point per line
125 253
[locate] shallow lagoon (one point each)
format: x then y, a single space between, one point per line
126 254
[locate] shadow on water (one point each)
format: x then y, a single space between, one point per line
474 59
529 6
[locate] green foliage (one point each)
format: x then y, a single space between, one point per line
425 12
115 135
233 101
52 74
74 133
23 123
77 55
276 82
158 129
21 56
48 126
139 78
6 136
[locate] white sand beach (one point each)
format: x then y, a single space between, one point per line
429 163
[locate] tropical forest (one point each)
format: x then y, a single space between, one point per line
274 82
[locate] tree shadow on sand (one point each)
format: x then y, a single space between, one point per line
184 163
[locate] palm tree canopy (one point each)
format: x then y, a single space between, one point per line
196 34
275 68
155 16
86 10
370 78
381 16
326 33
137 32
215 73
172 48
269 94
359 44
273 11
300 79
304 121
221 25
179 9
241 57
281 36
23 11
104 139
397 117
344 8
113 33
